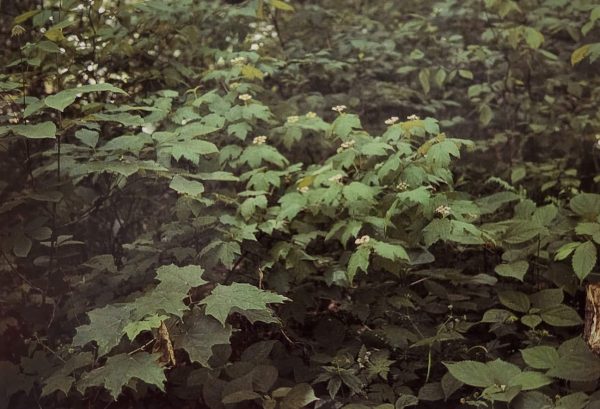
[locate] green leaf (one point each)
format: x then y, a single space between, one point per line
578 363
530 380
134 328
472 373
579 54
586 205
515 300
516 269
281 5
187 187
106 327
238 295
344 124
358 260
192 149
561 316
390 251
88 137
298 397
584 259
533 38
65 98
198 334
540 357
120 369
43 130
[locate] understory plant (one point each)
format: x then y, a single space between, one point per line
200 210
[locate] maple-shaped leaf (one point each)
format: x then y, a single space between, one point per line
241 295
180 279
122 368
106 327
198 334
175 282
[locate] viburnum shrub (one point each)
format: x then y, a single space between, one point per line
187 223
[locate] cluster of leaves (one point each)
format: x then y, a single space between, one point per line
210 204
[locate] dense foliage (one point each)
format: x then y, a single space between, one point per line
319 203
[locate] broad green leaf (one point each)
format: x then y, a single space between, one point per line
516 269
198 334
533 38
515 300
238 295
586 205
530 380
390 251
187 187
88 137
120 369
472 373
540 357
584 259
298 397
578 363
106 327
43 130
561 316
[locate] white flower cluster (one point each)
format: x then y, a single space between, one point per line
392 120
311 114
238 60
346 145
336 178
259 140
363 361
245 97
362 240
443 210
292 119
303 189
262 32
402 186
339 108
413 117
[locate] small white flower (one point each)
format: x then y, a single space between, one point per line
362 240
311 114
259 140
402 186
234 85
339 108
413 117
346 145
392 120
292 119
254 47
245 97
303 189
443 210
